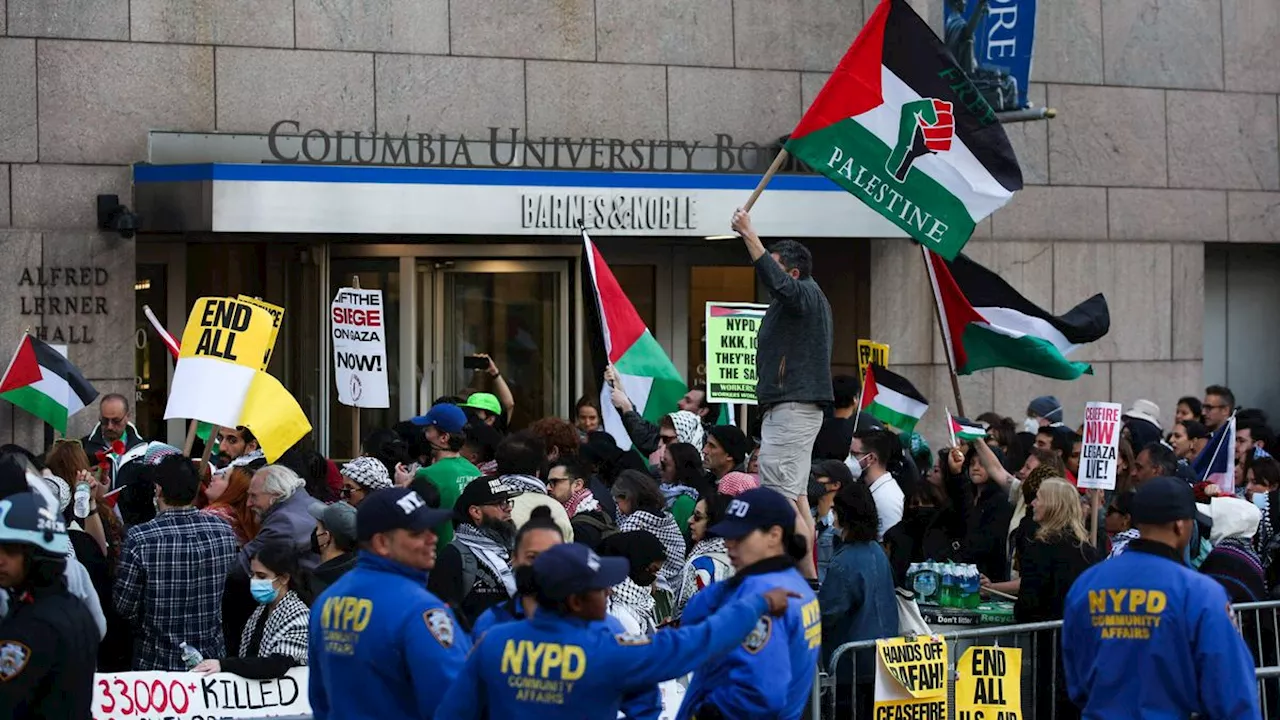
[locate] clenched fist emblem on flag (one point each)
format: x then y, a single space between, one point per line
926 127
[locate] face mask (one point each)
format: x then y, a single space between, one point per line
315 542
263 590
854 466
644 578
1031 425
1262 501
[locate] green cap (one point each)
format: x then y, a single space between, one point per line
484 401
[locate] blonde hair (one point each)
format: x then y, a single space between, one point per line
1062 517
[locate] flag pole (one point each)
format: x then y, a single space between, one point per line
190 441
768 175
355 409
943 331
951 429
208 447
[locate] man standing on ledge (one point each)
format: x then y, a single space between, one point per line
793 369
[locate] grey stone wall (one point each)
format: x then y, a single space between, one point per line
1166 138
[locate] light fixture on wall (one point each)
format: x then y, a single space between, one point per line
112 215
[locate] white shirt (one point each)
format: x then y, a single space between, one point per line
889 501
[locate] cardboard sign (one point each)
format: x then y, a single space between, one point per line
188 696
731 351
989 684
1098 449
223 348
359 348
871 352
277 319
911 677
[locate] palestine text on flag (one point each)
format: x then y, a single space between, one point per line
619 337
989 324
901 127
966 429
892 399
43 382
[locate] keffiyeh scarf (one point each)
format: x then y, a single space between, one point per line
639 600
582 501
688 428
671 493
525 483
668 533
489 551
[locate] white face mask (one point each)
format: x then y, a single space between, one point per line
854 466
1031 425
1262 501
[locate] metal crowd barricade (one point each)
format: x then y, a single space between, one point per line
842 696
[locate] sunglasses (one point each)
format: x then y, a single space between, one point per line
699 517
111 421
346 492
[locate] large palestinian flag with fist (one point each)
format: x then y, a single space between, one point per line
901 127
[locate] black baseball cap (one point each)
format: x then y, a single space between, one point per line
573 568
1163 500
755 509
484 490
395 509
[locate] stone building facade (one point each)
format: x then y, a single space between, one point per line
1164 149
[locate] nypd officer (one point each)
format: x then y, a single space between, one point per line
1144 636
566 662
770 674
48 641
381 646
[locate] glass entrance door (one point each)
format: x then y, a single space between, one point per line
518 313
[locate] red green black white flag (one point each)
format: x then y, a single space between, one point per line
964 428
43 382
892 399
902 128
988 324
619 337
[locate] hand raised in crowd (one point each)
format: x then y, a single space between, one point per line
493 367
778 599
955 460
207 667
96 488
617 394
741 223
403 476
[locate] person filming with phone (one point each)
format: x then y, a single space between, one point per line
491 408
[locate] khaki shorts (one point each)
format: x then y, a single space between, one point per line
786 447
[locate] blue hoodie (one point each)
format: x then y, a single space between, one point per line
381 646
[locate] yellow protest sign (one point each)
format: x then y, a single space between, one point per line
277 319
274 416
989 686
871 352
911 679
227 329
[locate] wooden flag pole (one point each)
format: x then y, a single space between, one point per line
208 447
768 175
943 332
190 442
355 409
1095 502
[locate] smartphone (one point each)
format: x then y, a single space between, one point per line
471 362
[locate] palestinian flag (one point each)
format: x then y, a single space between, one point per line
901 127
989 324
965 429
619 337
43 382
892 399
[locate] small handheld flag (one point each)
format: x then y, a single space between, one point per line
965 429
892 399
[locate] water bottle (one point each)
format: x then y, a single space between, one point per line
191 657
972 587
82 499
948 598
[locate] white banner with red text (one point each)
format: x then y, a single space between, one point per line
188 696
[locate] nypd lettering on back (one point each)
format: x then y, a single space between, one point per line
542 672
342 620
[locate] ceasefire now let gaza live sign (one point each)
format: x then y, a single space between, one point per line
731 351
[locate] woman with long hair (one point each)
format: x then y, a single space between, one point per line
227 497
67 460
275 638
1057 554
586 415
641 506
683 481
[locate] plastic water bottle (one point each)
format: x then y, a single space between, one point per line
972 587
191 657
948 586
82 499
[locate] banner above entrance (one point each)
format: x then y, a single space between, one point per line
339 199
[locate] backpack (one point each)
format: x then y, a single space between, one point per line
470 567
598 521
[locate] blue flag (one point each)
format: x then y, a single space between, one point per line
1217 462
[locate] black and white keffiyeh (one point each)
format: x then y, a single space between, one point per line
668 533
494 555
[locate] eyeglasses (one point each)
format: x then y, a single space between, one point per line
698 517
112 421
504 504
1207 406
347 492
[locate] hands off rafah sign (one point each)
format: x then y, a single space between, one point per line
359 348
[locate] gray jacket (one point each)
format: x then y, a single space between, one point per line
288 522
793 353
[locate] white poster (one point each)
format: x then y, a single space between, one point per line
188 696
360 348
1098 448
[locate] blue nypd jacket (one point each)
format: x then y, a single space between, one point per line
1144 636
770 674
381 646
554 667
644 704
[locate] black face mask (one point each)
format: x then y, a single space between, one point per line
315 541
644 577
